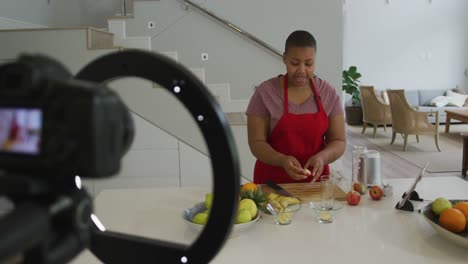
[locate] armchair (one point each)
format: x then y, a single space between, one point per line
374 111
409 121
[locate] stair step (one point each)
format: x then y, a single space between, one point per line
237 118
120 16
199 72
100 39
171 54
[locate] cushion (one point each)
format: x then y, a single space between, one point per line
385 97
379 96
412 97
456 99
439 101
461 91
425 96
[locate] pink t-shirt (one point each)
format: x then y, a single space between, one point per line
267 101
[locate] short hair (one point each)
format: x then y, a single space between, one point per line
300 38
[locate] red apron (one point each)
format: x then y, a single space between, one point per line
300 136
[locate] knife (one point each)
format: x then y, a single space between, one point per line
279 190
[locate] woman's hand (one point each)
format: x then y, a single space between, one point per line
293 168
317 163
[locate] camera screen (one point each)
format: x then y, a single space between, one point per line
20 130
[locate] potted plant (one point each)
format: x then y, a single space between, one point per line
350 85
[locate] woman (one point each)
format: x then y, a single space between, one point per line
295 121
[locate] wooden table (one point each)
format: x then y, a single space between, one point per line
373 231
465 154
461 115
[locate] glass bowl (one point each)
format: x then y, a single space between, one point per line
190 213
285 216
460 239
326 215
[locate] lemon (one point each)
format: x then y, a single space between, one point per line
249 205
200 218
325 216
243 216
208 200
284 217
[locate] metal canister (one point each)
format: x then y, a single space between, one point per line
373 172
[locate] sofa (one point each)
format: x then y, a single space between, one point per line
421 99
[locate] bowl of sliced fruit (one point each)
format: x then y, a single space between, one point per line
282 208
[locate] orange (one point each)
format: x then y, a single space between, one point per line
249 186
463 207
453 220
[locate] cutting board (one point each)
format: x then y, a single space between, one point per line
306 192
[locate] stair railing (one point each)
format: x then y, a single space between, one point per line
232 26
124 8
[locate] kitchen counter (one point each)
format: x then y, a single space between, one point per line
372 232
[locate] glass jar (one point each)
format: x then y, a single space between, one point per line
358 169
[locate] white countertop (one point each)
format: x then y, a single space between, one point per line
372 232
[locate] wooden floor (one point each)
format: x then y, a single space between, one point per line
392 166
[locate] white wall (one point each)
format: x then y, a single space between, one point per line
95 13
66 13
48 13
67 46
63 13
408 44
8 23
273 20
31 11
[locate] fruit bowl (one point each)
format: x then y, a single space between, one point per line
190 213
460 239
326 215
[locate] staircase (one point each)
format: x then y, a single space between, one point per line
185 129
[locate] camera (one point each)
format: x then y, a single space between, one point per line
54 125
52 128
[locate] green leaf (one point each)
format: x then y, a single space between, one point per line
350 84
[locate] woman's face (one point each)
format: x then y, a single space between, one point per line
300 64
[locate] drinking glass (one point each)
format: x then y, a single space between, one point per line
358 169
284 217
327 192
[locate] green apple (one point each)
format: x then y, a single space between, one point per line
200 218
440 204
243 216
208 200
248 204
